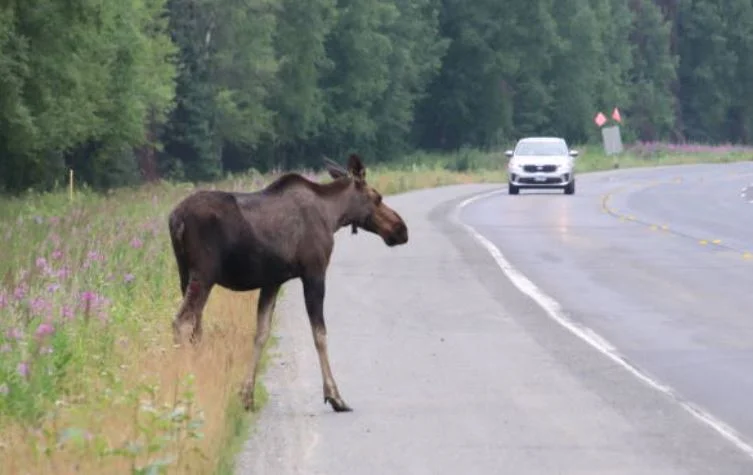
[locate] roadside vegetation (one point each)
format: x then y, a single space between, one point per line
90 381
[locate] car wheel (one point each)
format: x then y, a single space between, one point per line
570 187
512 189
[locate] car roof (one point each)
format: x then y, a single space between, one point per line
542 139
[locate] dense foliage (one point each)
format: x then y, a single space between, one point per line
138 89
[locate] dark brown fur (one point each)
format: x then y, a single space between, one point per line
260 240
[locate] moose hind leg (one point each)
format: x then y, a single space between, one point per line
191 309
313 289
266 306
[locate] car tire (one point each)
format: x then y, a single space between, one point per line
570 187
512 189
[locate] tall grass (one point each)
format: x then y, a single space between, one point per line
90 381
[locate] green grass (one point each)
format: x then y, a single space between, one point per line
239 422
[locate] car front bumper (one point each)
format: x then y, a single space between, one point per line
556 179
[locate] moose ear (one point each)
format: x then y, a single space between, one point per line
335 170
356 168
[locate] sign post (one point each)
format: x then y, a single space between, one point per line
612 139
611 136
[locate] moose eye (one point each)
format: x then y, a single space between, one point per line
378 200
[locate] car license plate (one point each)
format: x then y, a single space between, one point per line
539 178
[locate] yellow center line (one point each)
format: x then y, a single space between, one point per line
607 208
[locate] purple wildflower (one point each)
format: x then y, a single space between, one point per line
136 243
52 288
95 256
63 273
129 278
88 296
3 299
20 292
39 306
91 301
14 334
41 262
23 369
57 254
67 313
44 329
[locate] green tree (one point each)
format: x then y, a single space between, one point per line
535 47
707 69
79 81
653 73
297 98
414 60
226 67
575 69
470 101
359 48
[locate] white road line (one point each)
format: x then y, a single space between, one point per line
557 313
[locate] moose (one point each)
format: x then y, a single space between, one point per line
259 240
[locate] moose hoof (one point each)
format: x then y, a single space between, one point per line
337 404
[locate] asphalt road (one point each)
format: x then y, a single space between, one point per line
606 332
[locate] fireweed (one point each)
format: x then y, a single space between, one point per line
67 288
84 286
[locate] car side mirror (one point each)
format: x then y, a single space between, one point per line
573 153
508 153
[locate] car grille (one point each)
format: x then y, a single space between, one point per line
546 181
540 168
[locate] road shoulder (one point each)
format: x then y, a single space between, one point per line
433 339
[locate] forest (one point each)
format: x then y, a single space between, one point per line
129 91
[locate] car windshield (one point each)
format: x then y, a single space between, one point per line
541 148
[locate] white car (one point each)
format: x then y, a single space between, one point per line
541 162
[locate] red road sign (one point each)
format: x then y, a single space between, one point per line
600 119
616 115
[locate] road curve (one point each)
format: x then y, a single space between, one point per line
450 368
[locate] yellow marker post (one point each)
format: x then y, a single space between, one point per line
703 242
747 255
717 241
70 184
654 227
664 227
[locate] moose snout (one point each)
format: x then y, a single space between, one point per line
398 235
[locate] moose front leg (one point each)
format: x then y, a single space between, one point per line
313 291
266 306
